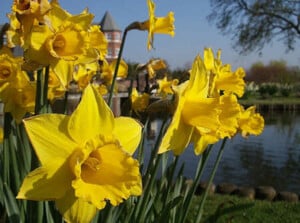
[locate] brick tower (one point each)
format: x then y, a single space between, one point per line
113 35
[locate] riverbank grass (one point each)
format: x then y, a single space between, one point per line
234 209
271 101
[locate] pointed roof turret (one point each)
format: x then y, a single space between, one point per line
108 24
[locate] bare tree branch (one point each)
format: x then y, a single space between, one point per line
255 23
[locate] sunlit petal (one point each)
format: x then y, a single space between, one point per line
128 132
91 117
48 135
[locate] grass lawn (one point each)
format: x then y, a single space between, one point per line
233 209
270 101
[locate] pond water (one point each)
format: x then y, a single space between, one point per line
272 159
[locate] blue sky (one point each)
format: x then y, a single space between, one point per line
192 34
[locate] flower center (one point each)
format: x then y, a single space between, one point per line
5 73
59 43
92 163
24 4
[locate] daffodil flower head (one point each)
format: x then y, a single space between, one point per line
55 87
139 102
10 67
160 25
108 70
84 73
63 41
223 79
165 86
19 101
250 122
28 13
155 65
85 156
204 118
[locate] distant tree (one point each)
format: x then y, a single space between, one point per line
254 23
276 71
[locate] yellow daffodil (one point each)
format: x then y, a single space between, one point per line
28 13
35 8
193 108
223 79
139 102
154 65
55 87
98 41
108 70
102 89
250 122
86 157
10 69
228 118
204 118
14 36
160 25
19 101
16 92
165 86
64 41
84 73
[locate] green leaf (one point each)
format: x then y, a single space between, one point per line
11 205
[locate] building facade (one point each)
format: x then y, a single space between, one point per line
113 35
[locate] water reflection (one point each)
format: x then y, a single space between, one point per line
272 158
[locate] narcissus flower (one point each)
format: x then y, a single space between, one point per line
86 157
10 69
192 106
207 108
19 101
64 41
250 122
159 25
28 14
139 102
152 66
84 73
16 92
108 70
165 86
223 79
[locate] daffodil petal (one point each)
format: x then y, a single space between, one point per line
202 112
115 178
64 70
198 84
46 183
49 137
178 134
75 209
202 141
91 117
128 132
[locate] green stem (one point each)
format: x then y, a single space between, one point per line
150 176
111 92
38 102
41 100
6 147
200 212
140 156
199 171
45 89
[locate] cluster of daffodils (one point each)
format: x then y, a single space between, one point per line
86 158
207 108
